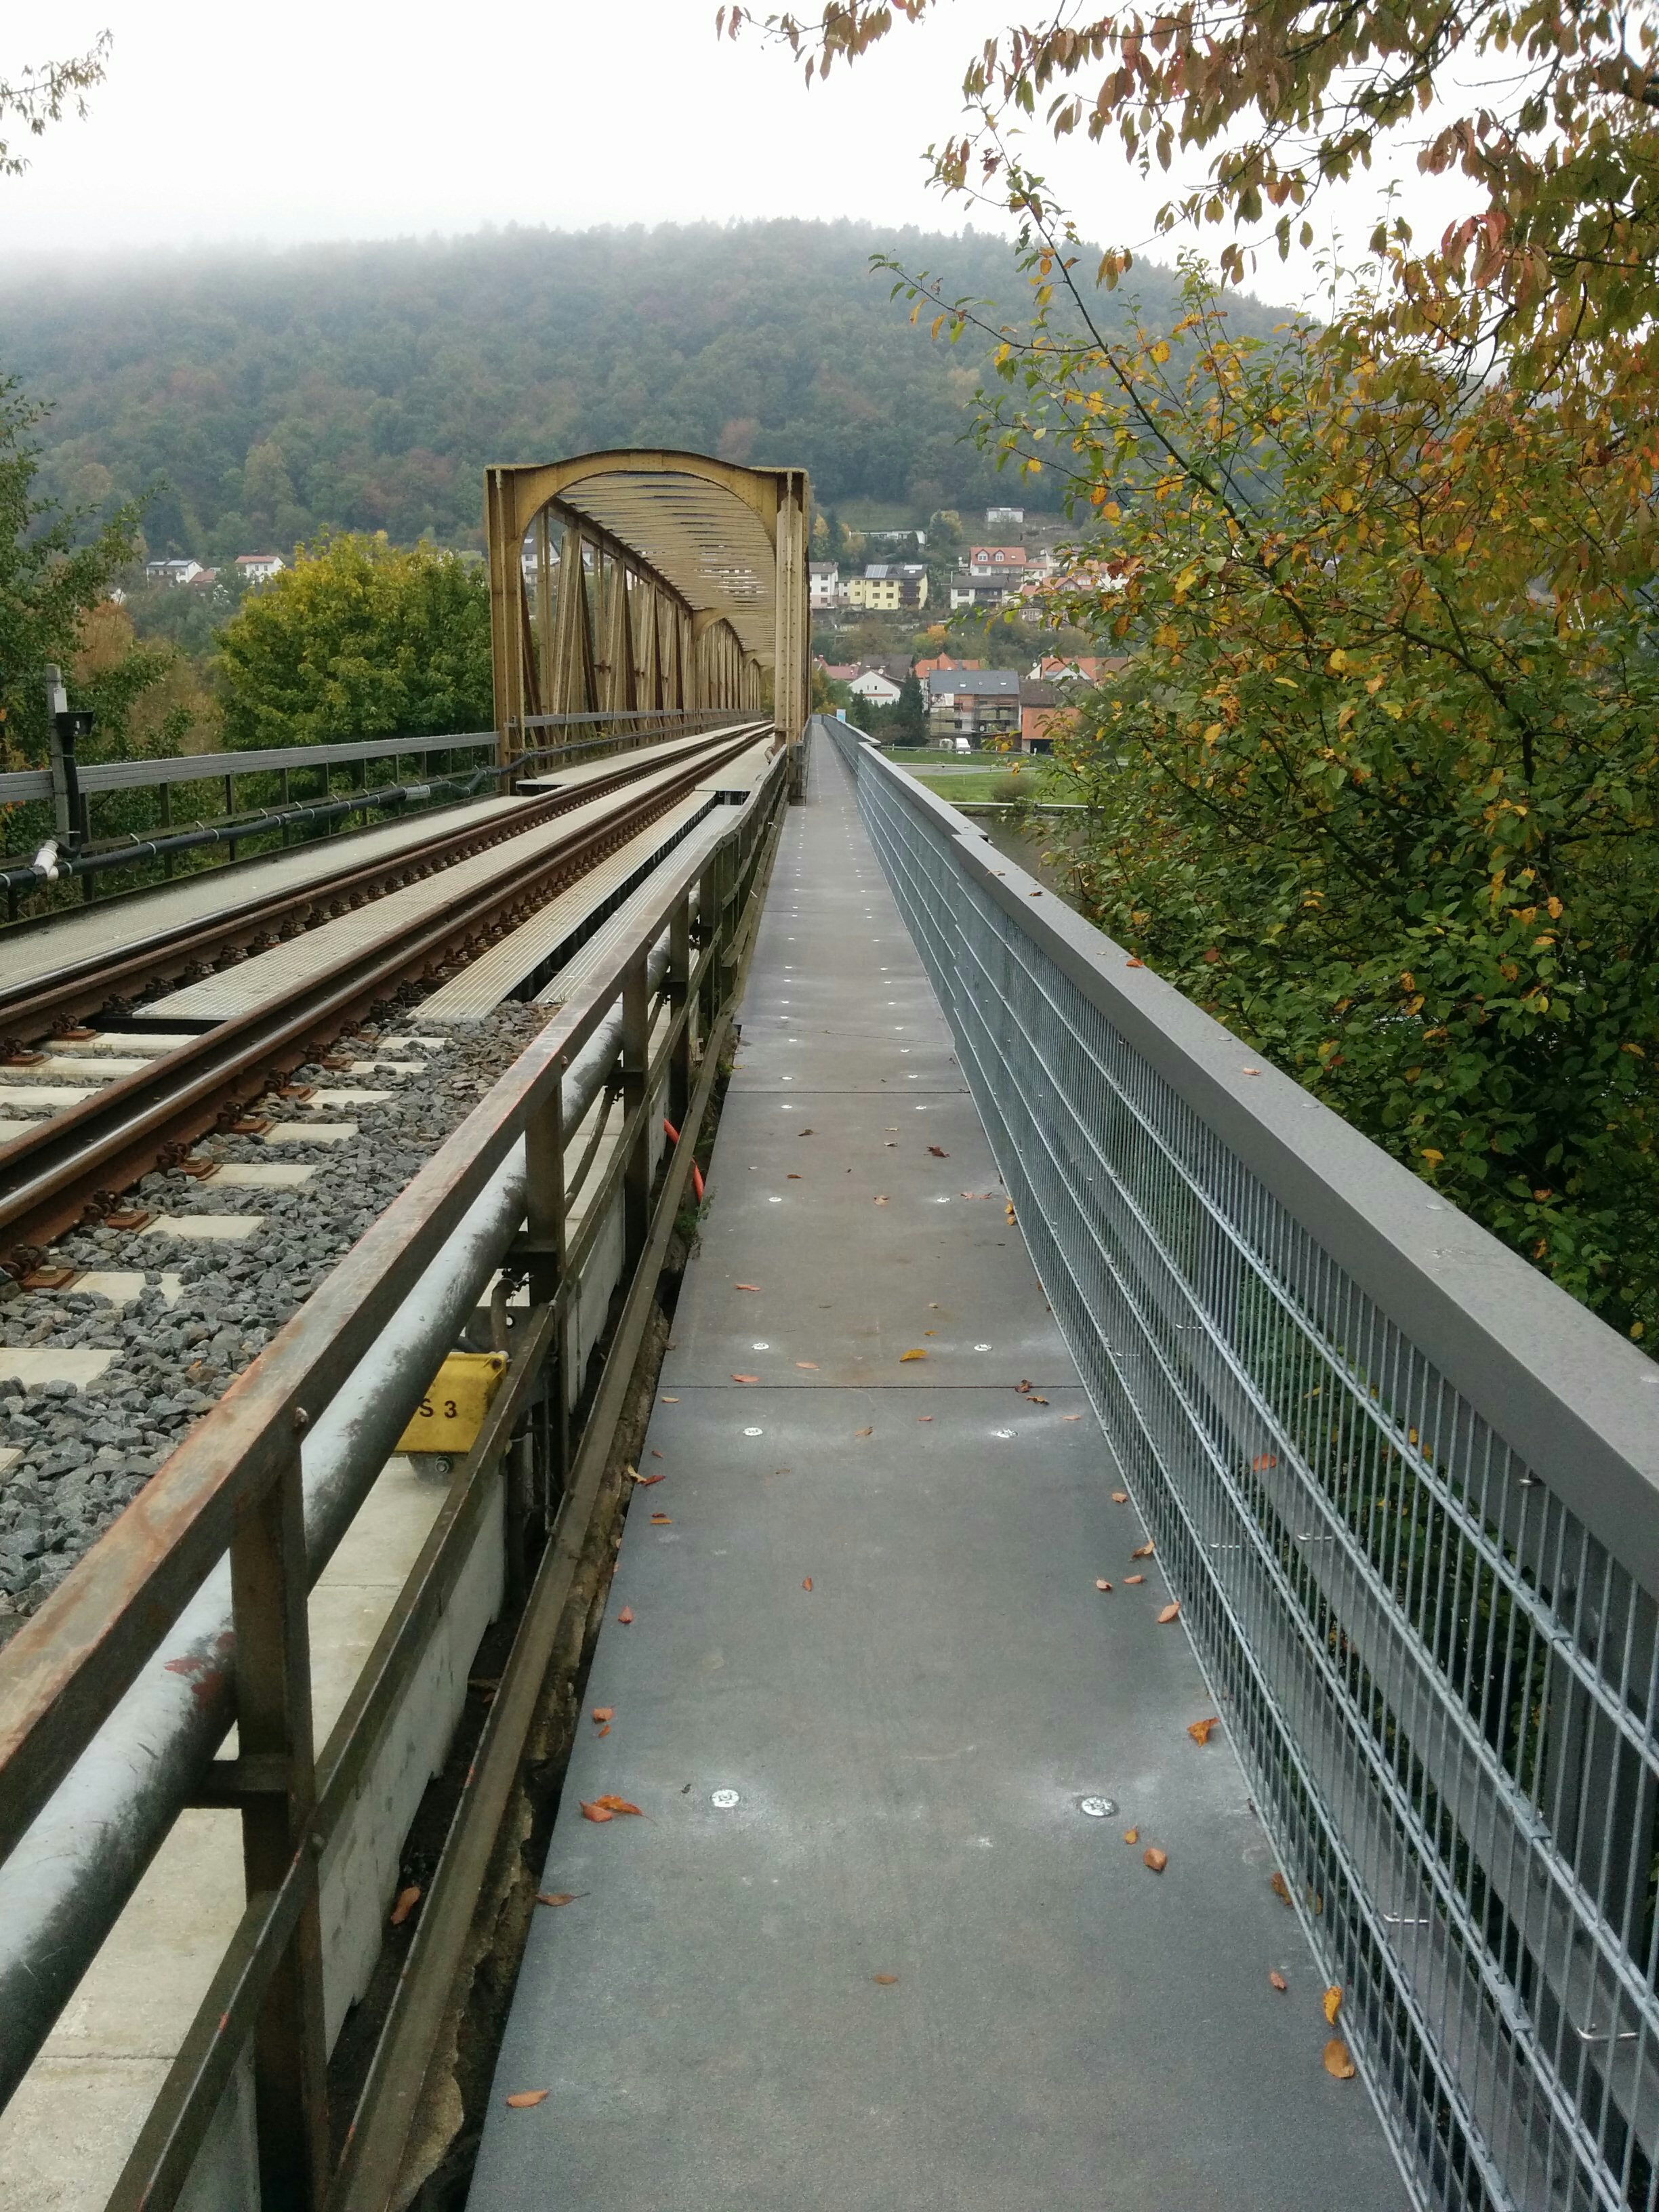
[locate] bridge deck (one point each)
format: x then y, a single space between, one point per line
910 1739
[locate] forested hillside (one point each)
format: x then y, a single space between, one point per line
366 386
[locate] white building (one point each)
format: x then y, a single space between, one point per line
1004 514
171 572
259 568
880 690
824 586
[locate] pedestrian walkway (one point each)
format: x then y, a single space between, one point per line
886 1934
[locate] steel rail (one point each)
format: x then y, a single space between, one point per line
34 1008
51 1174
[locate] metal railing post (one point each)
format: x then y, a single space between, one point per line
635 1063
277 1764
678 987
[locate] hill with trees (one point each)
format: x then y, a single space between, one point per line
262 399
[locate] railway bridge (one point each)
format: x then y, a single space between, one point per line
591 1621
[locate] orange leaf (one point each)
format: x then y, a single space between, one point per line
595 1812
1142 1552
918 1354
1278 1980
1129 1579
923 1417
746 1378
661 1521
1200 1731
1070 1417
886 1980
605 1712
746 1287
407 1900
626 1615
1169 1613
1101 1585
521 2100
1154 1858
807 1585
645 1481
1132 1835
559 1896
617 1805
1280 1889
864 1432
1337 2061
1120 1497
1333 2003
1264 1460
671 1401
1134 964
812 1364
605 1730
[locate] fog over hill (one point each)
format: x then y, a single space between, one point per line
272 395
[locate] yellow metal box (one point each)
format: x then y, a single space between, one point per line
452 1412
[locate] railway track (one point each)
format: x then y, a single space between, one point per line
77 1165
39 1007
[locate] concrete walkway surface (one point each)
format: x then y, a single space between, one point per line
872 1943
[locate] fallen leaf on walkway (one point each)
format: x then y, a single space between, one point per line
864 1432
671 1401
1169 1613
1333 2003
1278 1980
617 1805
807 1585
1250 1071
746 1378
1200 1731
1337 2061
407 1900
1070 1417
655 1453
605 1712
919 1353
795 1178
660 1520
746 1287
939 1151
885 1980
595 1812
1120 1497
879 1202
1281 1889
1264 1460
1033 1399
812 1364
645 1481
805 1133
923 1417
1142 1552
1129 1580
626 1615
1134 964
521 2100
605 1730
1154 1858
1101 1585
559 1896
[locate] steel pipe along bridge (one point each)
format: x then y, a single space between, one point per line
1092 1644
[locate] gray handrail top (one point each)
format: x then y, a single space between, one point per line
23 784
1578 1401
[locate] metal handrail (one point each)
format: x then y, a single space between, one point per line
1407 1491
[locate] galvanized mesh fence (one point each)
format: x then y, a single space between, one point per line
1442 1685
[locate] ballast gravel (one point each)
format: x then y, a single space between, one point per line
84 1453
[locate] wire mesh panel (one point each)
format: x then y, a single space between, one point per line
1442 1682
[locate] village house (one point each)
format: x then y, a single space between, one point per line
259 568
880 690
824 587
171 572
976 703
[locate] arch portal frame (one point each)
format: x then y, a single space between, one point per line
645 580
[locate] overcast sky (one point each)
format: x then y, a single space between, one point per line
286 120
